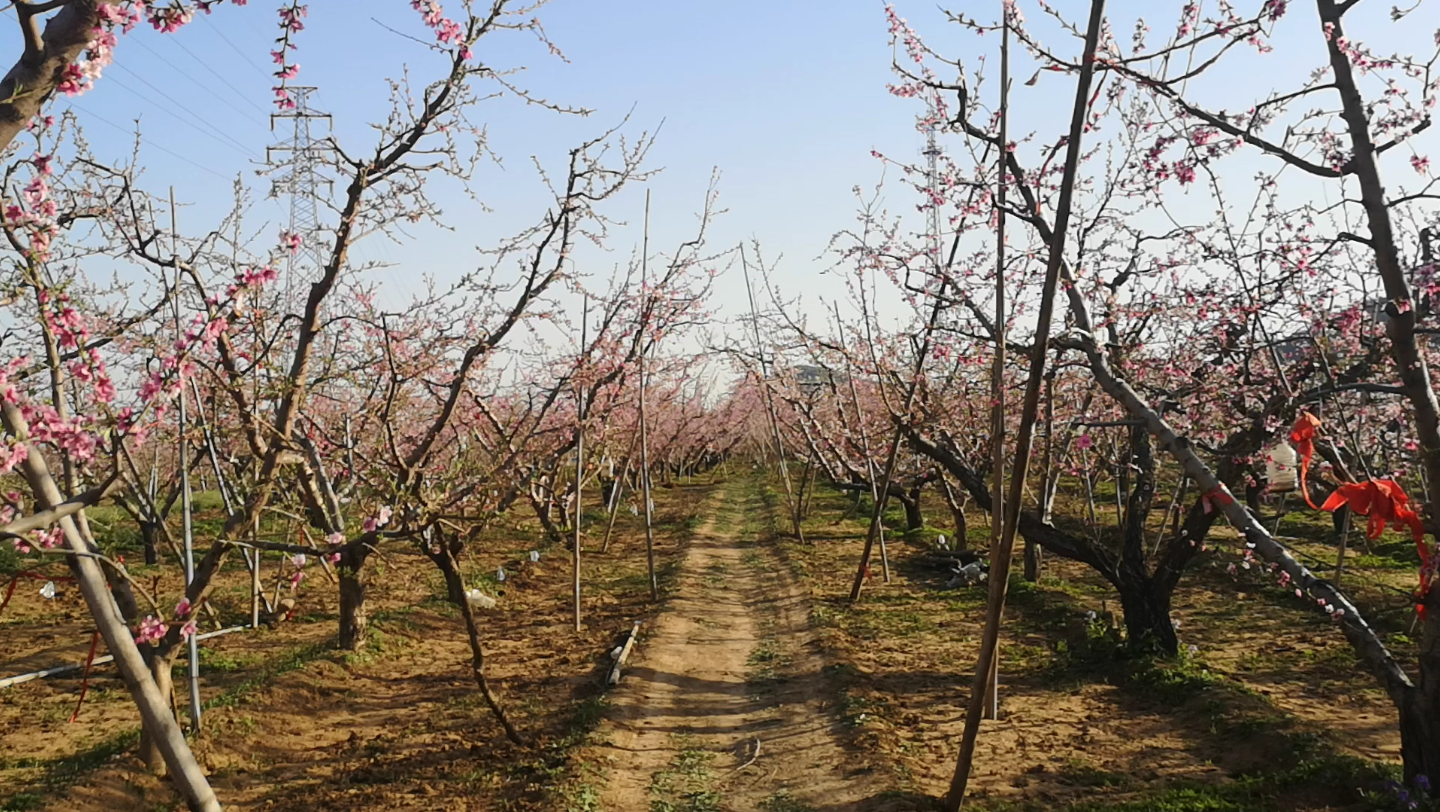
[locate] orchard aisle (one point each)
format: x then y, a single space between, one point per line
731 661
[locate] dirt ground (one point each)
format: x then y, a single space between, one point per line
293 724
726 706
758 687
1266 709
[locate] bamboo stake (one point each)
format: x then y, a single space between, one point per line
615 505
997 372
187 529
644 438
790 497
1344 540
580 443
1165 522
19 679
869 461
1000 572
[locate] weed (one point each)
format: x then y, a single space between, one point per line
291 660
685 785
1079 773
217 660
22 802
783 801
766 661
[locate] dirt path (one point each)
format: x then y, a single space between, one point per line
729 664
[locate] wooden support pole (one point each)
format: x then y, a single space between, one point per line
1000 571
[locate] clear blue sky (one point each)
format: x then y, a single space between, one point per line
786 97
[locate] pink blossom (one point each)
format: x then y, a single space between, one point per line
182 609
111 14
1420 163
151 630
13 456
49 539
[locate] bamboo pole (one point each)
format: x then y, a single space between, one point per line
187 528
20 679
997 371
790 496
613 678
1000 571
615 505
644 437
580 443
869 461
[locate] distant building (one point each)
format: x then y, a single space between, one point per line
810 377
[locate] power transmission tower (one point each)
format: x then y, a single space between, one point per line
932 187
300 178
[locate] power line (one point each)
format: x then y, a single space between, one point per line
216 74
150 144
223 139
189 75
218 30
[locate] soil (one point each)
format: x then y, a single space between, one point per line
291 723
756 685
727 699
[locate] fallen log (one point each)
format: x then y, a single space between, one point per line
624 654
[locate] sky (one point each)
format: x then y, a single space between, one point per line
786 99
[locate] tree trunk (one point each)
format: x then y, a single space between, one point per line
353 618
914 519
957 512
1032 561
455 585
147 537
1420 710
156 714
162 671
1419 740
1148 628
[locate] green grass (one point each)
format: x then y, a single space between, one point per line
292 659
22 802
1270 791
766 661
214 660
783 801
59 773
686 784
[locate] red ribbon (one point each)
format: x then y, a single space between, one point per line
85 683
1216 496
1384 501
1302 434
